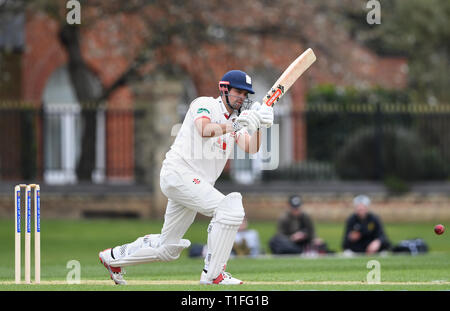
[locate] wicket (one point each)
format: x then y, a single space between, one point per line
37 232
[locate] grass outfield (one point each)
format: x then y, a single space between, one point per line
66 240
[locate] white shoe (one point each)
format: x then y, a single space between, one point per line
348 253
116 273
223 279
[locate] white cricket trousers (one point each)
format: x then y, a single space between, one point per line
188 194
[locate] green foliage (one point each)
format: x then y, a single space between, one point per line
371 134
305 170
334 113
418 29
396 185
436 165
395 153
329 93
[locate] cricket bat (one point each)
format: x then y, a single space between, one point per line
289 76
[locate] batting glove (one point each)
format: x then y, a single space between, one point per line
266 116
249 119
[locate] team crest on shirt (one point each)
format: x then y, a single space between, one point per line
196 181
200 110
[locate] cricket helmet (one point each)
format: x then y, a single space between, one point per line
236 79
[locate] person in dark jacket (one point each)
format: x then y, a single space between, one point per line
364 231
295 232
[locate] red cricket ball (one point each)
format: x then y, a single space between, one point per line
439 229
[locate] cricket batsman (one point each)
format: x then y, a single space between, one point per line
210 130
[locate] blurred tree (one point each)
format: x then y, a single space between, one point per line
185 25
418 29
240 28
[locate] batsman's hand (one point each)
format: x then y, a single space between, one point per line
249 119
266 116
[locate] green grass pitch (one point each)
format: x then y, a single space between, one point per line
81 240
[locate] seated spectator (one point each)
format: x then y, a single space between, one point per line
295 232
247 241
364 230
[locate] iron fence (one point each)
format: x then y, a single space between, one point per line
372 142
68 143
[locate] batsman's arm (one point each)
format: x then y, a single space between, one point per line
249 144
206 128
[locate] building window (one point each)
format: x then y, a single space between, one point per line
62 131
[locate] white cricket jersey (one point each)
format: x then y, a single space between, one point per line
205 156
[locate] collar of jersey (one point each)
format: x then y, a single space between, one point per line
224 109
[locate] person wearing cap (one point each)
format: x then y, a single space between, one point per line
204 143
364 231
295 230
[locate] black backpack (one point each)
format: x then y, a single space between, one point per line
412 246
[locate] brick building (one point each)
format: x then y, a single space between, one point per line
40 72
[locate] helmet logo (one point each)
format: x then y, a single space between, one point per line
248 79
